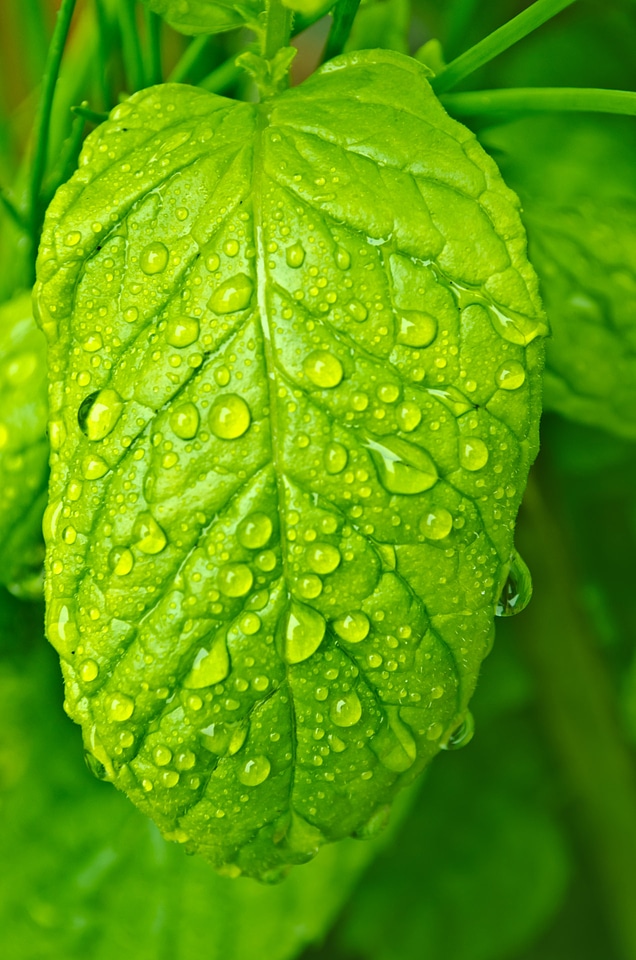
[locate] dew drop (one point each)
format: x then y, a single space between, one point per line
473 453
213 262
402 467
154 258
436 524
235 294
182 331
88 671
235 579
510 375
250 624
388 392
323 558
121 707
162 755
255 771
357 310
184 420
148 535
416 329
254 531
99 412
231 248
346 710
209 666
229 417
517 590
295 255
323 369
335 458
352 627
310 587
304 632
93 343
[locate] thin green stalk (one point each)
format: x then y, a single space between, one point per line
539 99
579 713
459 15
93 116
68 157
43 116
103 47
154 68
343 16
277 29
131 47
12 211
498 41
222 77
34 36
189 59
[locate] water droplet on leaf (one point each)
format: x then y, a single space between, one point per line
229 417
352 627
304 632
235 294
99 413
323 369
255 771
346 710
154 258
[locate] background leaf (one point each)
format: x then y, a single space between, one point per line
206 16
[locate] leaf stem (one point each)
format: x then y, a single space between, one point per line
222 76
343 17
103 46
13 211
131 47
188 59
277 28
579 713
539 99
496 42
43 116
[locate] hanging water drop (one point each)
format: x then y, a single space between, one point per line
517 590
461 735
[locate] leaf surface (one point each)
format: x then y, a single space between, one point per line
207 16
578 186
298 364
24 450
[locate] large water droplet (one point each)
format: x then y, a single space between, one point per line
304 632
510 375
184 420
235 579
154 258
229 416
210 666
323 557
148 535
410 416
346 710
254 532
162 755
295 255
95 766
402 467
395 746
183 331
416 329
235 294
473 453
517 590
323 369
88 671
352 627
515 327
222 738
357 310
121 707
255 771
93 468
121 561
309 587
343 258
335 457
461 735
436 524
99 413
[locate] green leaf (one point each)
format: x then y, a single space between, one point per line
86 876
24 449
207 16
298 365
578 188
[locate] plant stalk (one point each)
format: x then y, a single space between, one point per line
538 100
496 42
580 718
277 29
343 17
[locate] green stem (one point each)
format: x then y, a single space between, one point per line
222 77
539 99
458 20
93 116
277 29
43 116
131 47
498 41
103 46
189 59
343 17
12 211
69 154
579 713
33 36
154 69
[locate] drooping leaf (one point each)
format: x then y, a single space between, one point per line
207 16
578 186
85 876
297 362
24 449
